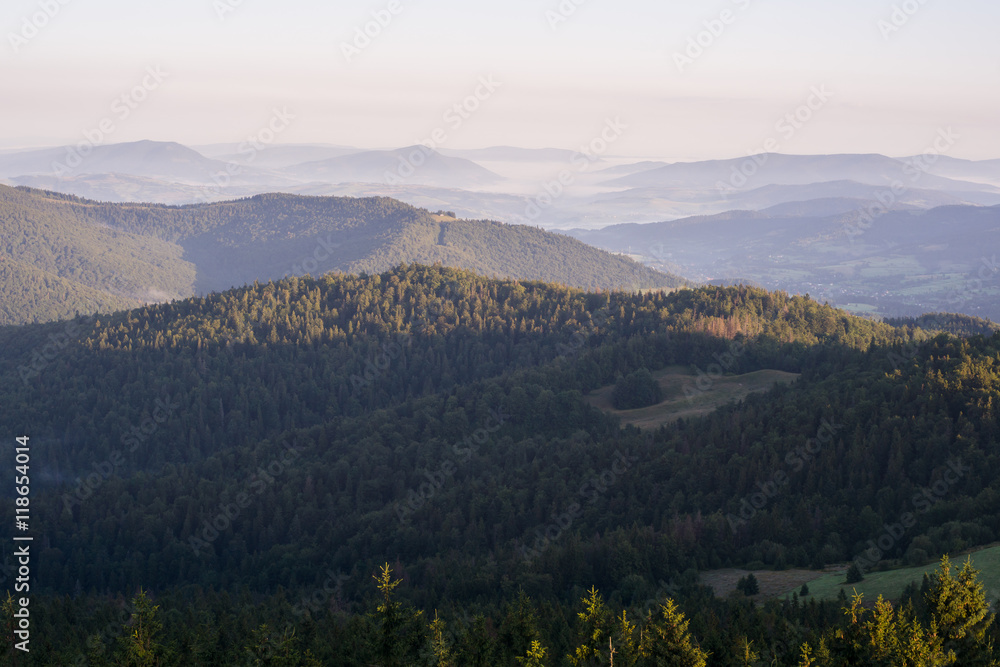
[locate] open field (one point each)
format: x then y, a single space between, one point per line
676 404
890 584
826 585
772 583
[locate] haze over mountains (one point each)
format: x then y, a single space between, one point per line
503 183
788 234
62 254
904 262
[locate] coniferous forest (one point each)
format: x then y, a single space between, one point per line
401 469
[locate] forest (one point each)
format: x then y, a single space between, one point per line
400 468
60 254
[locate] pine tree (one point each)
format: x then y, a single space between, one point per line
854 574
141 647
667 642
748 585
959 610
594 631
440 648
535 655
390 619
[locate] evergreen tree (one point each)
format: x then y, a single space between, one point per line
748 585
636 390
141 646
440 646
535 657
666 641
960 612
593 631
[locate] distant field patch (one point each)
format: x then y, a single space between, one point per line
772 583
676 404
826 585
890 584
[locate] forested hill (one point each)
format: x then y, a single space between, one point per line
960 325
61 254
236 449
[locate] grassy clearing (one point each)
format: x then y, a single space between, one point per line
890 584
673 380
772 584
826 585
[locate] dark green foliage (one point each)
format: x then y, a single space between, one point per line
748 585
359 419
959 325
62 254
854 574
636 390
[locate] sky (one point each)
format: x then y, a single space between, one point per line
681 79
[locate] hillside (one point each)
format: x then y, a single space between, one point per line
435 419
128 254
900 263
415 164
780 169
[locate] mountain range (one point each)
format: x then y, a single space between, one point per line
63 254
500 182
903 262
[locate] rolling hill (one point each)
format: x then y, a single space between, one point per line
415 164
899 263
110 255
780 169
248 459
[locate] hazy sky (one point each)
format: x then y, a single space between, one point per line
229 63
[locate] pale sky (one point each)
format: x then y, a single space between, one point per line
889 92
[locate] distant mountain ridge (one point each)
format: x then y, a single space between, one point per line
415 164
500 182
902 262
782 169
63 253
